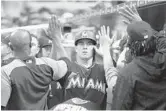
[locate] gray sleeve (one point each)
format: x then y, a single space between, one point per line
111 76
59 67
5 88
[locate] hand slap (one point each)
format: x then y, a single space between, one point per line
131 14
54 28
104 37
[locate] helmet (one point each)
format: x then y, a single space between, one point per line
43 41
85 34
43 38
77 104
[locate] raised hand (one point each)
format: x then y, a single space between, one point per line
54 28
104 37
131 14
104 40
55 34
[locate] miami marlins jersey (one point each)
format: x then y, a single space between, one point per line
56 94
88 84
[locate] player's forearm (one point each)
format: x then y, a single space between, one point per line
107 59
110 71
57 50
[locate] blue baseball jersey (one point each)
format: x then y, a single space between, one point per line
85 83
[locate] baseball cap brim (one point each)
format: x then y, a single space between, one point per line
93 41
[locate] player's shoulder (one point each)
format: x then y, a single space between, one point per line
70 64
128 70
99 70
67 60
99 66
13 64
44 60
16 63
50 62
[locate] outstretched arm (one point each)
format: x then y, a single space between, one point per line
110 71
55 35
105 43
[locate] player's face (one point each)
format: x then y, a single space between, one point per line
116 50
34 46
46 51
118 44
84 49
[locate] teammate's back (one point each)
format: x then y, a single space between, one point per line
29 80
25 81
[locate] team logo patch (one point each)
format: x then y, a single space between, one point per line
84 34
29 61
79 101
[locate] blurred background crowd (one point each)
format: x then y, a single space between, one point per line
29 13
23 13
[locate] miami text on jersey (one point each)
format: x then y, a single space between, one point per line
81 82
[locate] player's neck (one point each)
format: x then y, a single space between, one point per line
20 55
84 62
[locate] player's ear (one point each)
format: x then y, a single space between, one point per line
38 50
94 51
94 54
30 44
11 47
39 54
94 47
76 49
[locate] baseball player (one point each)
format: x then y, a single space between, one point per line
6 54
56 92
84 79
34 45
44 43
25 81
141 84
